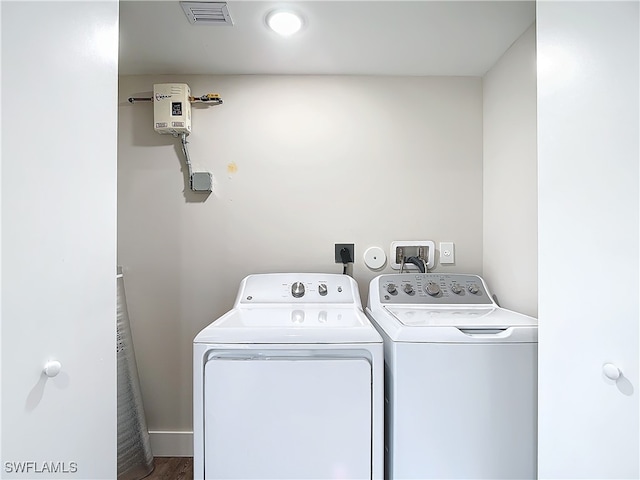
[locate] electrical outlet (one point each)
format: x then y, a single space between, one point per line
351 249
447 253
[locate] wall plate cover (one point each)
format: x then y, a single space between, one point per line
374 258
348 246
411 248
447 253
202 182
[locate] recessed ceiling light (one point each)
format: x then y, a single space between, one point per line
284 22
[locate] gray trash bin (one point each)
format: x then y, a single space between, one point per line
135 460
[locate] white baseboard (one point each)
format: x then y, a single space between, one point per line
171 444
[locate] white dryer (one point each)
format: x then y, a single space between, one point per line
289 384
460 379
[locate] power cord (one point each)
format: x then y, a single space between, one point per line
345 255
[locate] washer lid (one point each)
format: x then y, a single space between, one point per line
478 317
455 325
284 325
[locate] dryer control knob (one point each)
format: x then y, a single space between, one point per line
297 289
392 289
408 289
455 288
473 288
322 289
432 289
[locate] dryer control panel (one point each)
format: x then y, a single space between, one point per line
279 288
433 289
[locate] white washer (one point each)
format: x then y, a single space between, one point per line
289 384
460 379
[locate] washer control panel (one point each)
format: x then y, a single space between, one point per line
433 289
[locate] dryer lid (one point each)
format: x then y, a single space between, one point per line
286 325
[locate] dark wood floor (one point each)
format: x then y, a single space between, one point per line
172 468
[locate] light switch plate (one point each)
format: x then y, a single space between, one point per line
447 253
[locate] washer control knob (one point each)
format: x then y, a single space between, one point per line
432 289
322 289
297 289
408 289
392 289
473 288
455 288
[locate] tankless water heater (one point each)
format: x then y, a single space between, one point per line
172 108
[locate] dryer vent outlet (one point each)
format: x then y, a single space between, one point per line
339 247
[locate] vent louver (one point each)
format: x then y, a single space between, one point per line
207 13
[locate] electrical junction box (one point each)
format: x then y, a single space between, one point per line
172 108
201 182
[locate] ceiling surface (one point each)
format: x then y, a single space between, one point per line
339 38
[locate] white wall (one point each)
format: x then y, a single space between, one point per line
319 160
589 193
59 90
509 198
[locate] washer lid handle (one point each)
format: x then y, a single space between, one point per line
484 331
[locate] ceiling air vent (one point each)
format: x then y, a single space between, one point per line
207 13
